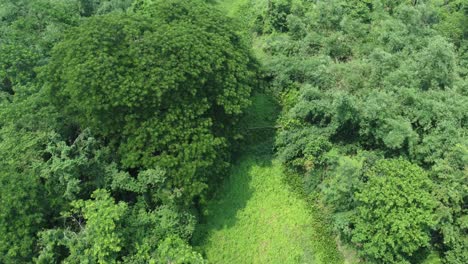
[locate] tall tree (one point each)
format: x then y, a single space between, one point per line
164 85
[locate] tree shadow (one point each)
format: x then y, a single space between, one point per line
256 151
258 127
233 196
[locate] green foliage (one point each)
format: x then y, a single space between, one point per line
277 14
16 67
97 239
22 207
373 80
164 109
175 250
450 175
103 231
303 151
43 176
23 200
28 30
117 115
73 171
394 212
92 7
453 20
98 152
259 124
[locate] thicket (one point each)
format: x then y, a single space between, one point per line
115 117
375 111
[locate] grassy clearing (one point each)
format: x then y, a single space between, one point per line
258 219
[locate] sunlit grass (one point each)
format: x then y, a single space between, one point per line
258 219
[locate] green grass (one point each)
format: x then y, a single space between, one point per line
258 219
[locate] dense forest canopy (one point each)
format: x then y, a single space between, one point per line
117 115
120 118
163 90
365 83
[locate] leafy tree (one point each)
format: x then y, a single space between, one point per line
174 250
22 206
98 238
450 175
27 33
339 191
453 18
92 7
23 200
173 108
72 171
394 212
436 65
103 231
277 13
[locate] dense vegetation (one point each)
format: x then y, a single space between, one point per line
375 118
113 124
119 120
